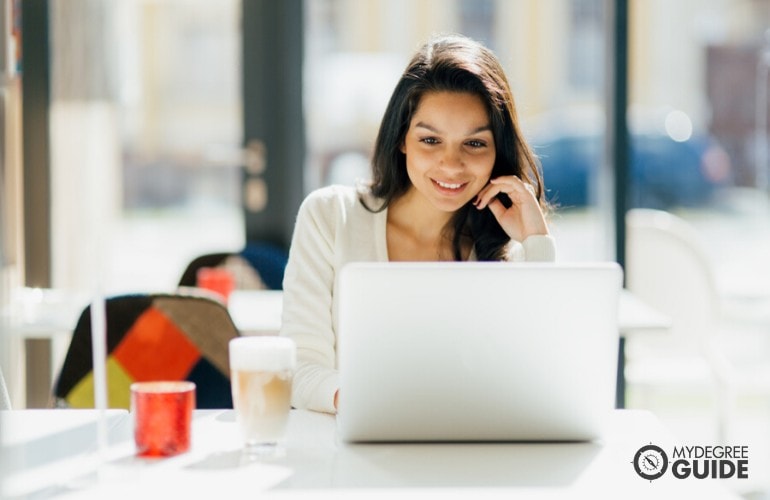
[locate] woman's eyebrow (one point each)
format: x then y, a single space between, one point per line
483 128
426 126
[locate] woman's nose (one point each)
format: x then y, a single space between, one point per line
452 158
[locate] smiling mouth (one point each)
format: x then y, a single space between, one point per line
449 186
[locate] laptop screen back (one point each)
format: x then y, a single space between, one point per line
477 351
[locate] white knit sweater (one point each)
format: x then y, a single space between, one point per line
333 229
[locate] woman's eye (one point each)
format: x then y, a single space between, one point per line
476 144
429 140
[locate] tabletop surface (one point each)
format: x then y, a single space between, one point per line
46 313
635 315
258 312
54 453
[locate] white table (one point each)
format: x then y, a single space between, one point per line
258 312
637 317
43 319
43 449
317 465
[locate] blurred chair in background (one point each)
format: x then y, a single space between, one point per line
257 265
667 267
190 274
152 337
269 261
741 358
5 400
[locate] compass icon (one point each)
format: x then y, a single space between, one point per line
650 462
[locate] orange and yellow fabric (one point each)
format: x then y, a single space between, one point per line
152 337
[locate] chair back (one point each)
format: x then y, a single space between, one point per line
269 261
257 265
152 337
190 275
667 267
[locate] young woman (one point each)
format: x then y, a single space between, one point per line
453 179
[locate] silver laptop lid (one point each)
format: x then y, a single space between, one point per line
477 351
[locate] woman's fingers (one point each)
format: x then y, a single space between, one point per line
524 217
497 209
518 185
510 185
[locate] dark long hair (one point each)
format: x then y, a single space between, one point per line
457 64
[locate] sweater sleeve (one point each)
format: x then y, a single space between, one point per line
307 305
536 248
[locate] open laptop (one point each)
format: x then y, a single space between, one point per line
477 351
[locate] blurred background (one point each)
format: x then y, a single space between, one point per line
173 128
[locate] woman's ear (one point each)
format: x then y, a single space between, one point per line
402 146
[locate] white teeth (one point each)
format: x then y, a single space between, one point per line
448 186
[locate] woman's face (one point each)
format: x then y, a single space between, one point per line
449 148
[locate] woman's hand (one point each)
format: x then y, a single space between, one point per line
524 218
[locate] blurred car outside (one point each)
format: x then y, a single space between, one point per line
671 165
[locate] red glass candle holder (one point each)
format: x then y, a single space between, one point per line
162 417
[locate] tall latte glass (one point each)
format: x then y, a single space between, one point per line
261 370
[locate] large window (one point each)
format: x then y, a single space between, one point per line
146 123
146 132
698 87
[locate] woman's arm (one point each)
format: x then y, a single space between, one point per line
307 305
536 248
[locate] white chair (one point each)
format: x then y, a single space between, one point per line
741 359
5 401
666 267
